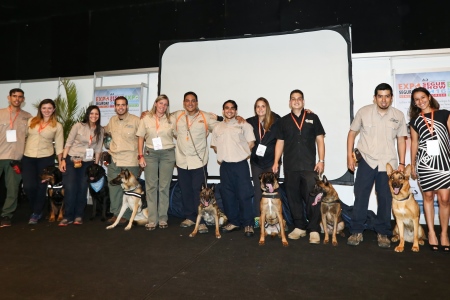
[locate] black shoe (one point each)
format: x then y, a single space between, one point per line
249 231
230 227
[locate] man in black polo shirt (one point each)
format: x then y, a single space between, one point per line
298 134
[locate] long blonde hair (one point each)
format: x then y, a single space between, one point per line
268 118
39 117
152 112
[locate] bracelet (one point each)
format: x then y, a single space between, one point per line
140 156
402 164
321 160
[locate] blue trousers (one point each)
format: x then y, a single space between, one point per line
75 189
365 177
190 182
237 193
34 189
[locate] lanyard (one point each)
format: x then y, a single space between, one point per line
90 140
430 128
259 128
301 124
11 122
42 127
190 124
157 125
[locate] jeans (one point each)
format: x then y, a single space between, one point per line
191 184
365 177
75 189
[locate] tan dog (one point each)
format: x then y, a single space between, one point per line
405 209
131 199
330 209
271 209
209 211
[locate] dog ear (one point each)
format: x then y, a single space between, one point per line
213 186
325 179
408 170
203 186
389 169
260 175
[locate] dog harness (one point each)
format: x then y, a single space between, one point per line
97 186
57 192
275 195
131 193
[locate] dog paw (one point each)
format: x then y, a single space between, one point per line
285 244
261 243
334 243
398 249
51 220
421 243
110 227
218 236
128 228
192 235
415 249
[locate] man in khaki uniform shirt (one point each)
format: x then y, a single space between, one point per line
124 152
191 153
13 126
233 143
380 127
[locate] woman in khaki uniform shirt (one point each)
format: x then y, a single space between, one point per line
39 153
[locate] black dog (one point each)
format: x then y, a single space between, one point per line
99 191
55 192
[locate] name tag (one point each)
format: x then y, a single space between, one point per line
433 147
261 150
11 136
89 154
157 143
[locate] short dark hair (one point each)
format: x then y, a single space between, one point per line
15 91
229 101
383 87
296 91
190 93
120 98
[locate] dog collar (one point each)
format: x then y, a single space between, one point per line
271 195
131 189
56 186
407 197
334 201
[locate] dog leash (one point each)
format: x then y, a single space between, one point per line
198 155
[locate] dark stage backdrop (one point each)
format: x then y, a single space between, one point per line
48 38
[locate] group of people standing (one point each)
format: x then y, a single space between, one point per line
147 143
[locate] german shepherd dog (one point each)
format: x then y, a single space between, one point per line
209 211
330 209
405 209
55 192
99 191
132 199
271 218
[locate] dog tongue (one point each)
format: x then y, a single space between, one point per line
206 203
91 178
270 187
317 199
396 190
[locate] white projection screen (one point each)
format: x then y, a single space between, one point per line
317 61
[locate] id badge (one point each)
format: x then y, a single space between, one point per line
89 154
157 143
433 147
11 136
261 150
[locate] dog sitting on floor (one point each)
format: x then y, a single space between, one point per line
55 192
330 209
271 218
209 211
405 209
133 198
99 191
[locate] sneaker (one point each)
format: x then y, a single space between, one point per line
64 223
256 222
34 219
230 227
6 222
355 239
202 228
383 241
78 221
187 223
249 231
296 234
314 237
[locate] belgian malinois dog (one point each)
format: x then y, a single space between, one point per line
271 218
209 211
132 194
330 209
405 209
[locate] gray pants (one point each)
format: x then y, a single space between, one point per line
158 175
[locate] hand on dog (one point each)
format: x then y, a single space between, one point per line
319 168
